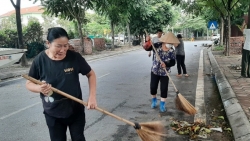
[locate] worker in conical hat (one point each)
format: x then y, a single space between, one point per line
158 74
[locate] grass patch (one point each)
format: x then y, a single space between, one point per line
218 48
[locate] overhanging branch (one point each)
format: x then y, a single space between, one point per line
13 3
224 4
71 11
234 4
218 9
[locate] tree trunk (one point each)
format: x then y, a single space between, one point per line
112 34
222 32
207 33
225 36
141 40
79 25
76 29
228 35
124 37
24 61
248 22
229 26
129 39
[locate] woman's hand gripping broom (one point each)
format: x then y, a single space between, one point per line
180 102
150 131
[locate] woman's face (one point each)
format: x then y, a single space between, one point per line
58 48
167 46
159 34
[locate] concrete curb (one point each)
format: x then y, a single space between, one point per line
4 76
235 114
108 55
14 74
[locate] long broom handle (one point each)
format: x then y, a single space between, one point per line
85 104
78 100
157 55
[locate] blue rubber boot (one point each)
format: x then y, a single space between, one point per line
162 107
154 102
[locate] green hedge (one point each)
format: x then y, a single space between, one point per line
31 33
34 49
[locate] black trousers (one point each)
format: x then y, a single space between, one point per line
245 63
58 127
155 79
181 64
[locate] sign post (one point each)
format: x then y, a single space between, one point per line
212 25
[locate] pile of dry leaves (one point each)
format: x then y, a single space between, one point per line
197 129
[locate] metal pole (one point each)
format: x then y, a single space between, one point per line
207 33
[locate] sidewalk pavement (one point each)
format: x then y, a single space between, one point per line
17 70
234 91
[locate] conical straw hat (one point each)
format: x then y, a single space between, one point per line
169 38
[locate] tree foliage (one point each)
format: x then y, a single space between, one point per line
230 12
8 38
67 9
97 25
193 24
33 32
216 9
72 10
8 23
34 48
66 24
151 17
118 11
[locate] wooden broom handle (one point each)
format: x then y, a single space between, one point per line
157 55
78 100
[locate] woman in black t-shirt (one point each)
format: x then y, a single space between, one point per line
59 67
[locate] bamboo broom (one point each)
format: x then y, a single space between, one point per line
180 102
149 131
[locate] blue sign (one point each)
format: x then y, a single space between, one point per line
212 25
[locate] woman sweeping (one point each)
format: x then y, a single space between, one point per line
180 58
59 67
158 74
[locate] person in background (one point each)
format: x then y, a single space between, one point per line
180 57
158 74
245 60
59 67
156 39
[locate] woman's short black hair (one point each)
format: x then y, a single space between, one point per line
179 36
159 30
55 33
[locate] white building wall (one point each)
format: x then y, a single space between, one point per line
25 18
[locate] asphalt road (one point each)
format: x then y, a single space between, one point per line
122 88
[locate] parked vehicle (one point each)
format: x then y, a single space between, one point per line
215 37
136 42
9 56
121 39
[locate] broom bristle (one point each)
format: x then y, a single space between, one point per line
183 105
151 131
178 104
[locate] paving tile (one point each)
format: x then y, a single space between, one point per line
237 87
241 86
